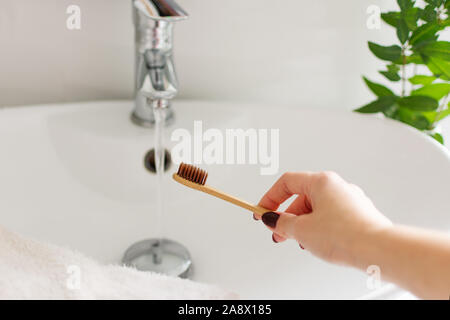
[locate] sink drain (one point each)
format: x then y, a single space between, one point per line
149 160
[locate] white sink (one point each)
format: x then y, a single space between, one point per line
73 175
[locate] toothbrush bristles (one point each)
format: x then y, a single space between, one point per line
192 173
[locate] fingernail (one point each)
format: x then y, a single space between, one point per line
270 219
301 246
273 238
254 217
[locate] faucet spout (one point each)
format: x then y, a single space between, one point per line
164 9
156 82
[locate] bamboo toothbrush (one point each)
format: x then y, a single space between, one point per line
195 178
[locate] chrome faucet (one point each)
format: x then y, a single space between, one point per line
156 81
155 86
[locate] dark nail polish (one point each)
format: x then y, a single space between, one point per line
273 238
254 217
301 246
270 219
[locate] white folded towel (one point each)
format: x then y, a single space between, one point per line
32 270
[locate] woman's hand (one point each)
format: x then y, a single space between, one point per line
337 222
328 217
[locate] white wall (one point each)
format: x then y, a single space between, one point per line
301 52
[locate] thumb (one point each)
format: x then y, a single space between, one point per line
282 223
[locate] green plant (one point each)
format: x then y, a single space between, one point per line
420 64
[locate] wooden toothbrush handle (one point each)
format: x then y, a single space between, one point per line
222 195
239 202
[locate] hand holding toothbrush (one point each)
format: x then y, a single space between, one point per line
337 222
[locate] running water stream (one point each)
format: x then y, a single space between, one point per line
159 113
159 254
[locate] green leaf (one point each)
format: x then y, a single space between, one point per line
411 17
393 76
430 115
422 79
428 14
378 89
435 3
393 67
437 136
392 72
402 31
443 114
418 103
405 4
440 68
380 105
391 18
437 49
390 53
412 118
414 58
435 90
425 32
445 23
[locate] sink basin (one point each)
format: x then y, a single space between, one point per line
73 175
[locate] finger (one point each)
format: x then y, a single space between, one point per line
281 223
277 238
300 205
287 185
